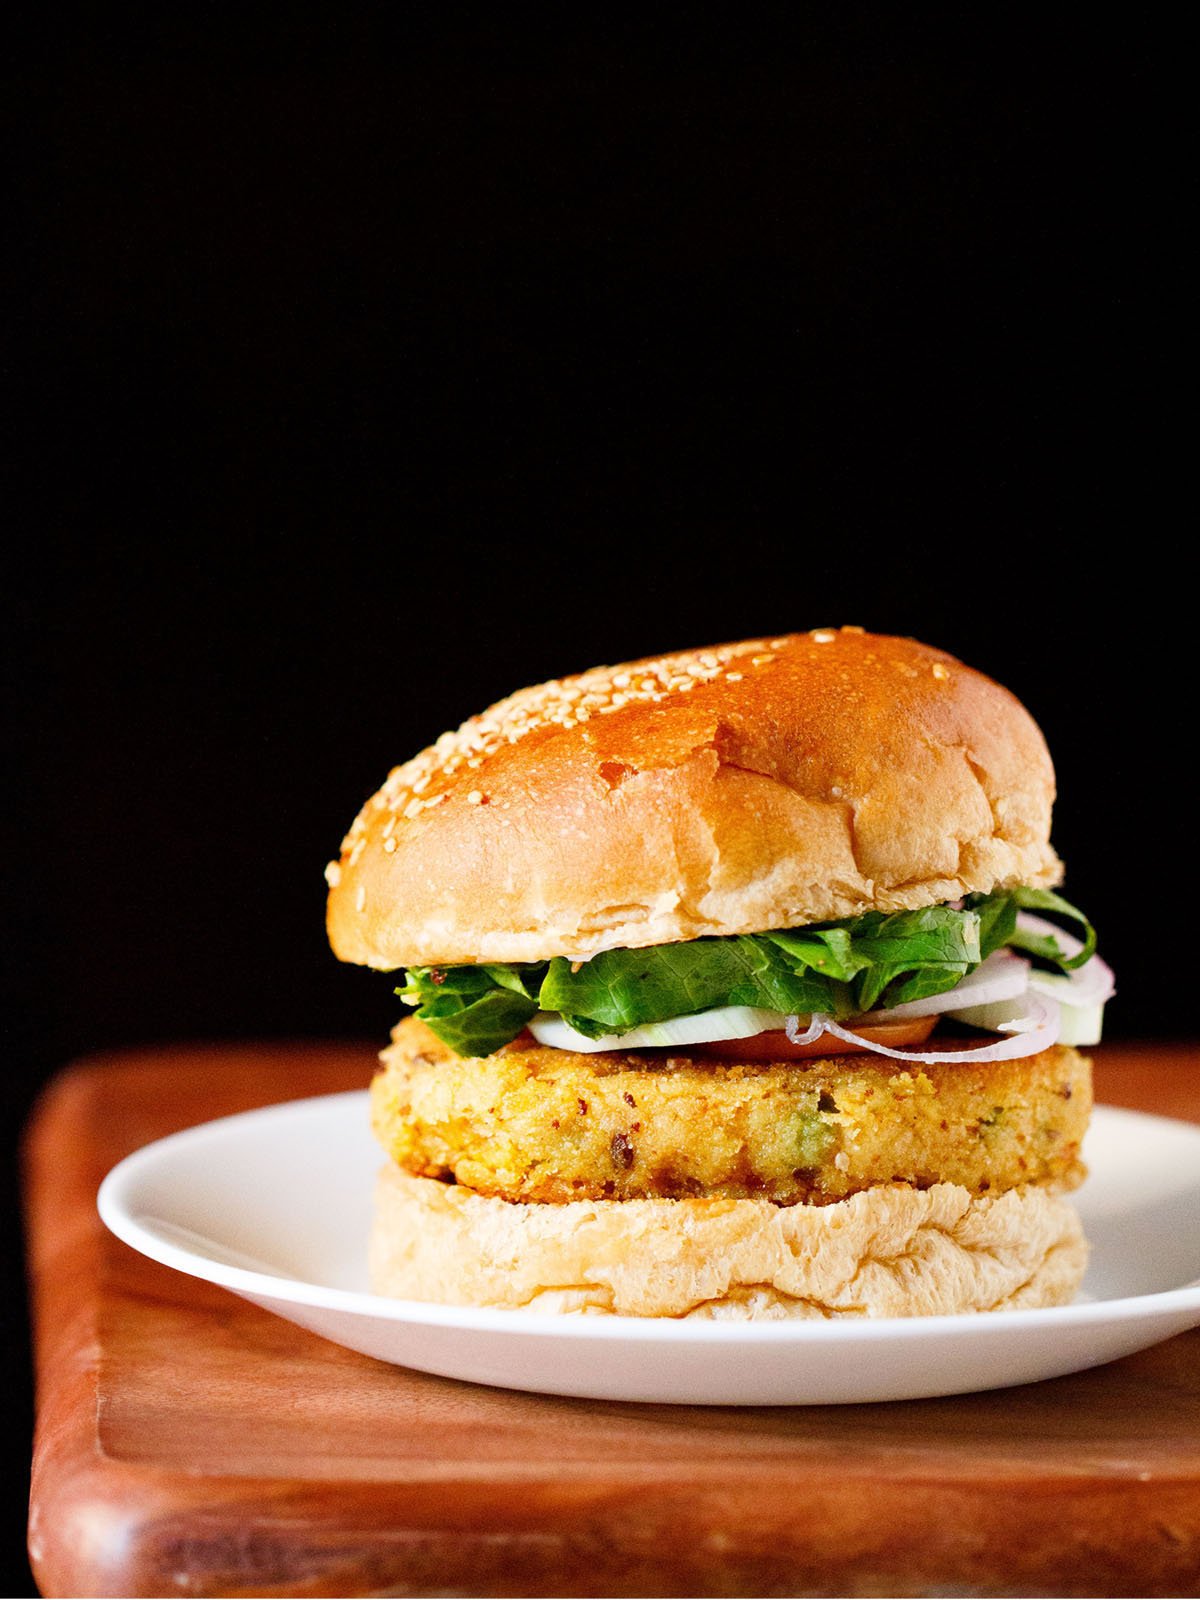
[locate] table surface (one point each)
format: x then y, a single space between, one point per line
189 1442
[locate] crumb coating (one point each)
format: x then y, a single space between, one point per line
532 1123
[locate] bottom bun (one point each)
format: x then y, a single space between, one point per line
891 1251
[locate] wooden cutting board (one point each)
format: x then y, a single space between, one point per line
189 1443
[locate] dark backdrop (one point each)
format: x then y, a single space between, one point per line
366 375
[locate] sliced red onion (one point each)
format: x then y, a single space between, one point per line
1042 1018
1090 985
1003 976
816 1027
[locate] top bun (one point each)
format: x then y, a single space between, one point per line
752 786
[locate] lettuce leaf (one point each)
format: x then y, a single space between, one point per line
473 1010
1044 946
858 964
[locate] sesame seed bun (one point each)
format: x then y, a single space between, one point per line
757 785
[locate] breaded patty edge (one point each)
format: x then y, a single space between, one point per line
542 1125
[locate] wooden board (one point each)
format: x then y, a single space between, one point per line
190 1443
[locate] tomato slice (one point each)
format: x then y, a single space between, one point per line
774 1045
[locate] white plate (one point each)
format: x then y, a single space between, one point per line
275 1205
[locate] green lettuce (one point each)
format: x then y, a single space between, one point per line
865 963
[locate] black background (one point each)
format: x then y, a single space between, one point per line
366 374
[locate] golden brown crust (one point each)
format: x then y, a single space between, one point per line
889 1252
757 785
533 1123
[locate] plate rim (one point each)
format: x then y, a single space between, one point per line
122 1221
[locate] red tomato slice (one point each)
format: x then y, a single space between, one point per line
776 1046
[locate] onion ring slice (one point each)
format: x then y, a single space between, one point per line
1042 1012
816 1027
1093 984
1003 976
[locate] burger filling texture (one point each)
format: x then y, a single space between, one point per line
709 1068
983 956
534 1123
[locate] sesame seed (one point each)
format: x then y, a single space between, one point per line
333 874
823 636
360 899
547 708
389 846
939 671
475 797
733 677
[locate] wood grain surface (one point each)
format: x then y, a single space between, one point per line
190 1443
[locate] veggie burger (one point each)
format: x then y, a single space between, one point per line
740 988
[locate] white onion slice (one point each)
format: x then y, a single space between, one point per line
999 1016
1039 1035
721 1022
1089 985
1085 988
1076 1024
1079 1024
1003 976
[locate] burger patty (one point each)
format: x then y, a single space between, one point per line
532 1123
